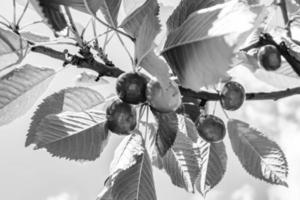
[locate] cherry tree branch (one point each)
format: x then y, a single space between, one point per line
249 96
80 62
112 71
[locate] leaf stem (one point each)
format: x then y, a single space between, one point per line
23 13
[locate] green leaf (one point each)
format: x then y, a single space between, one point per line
11 48
33 37
181 163
20 89
132 23
51 12
157 67
145 39
201 51
131 171
185 8
261 157
212 158
110 10
215 166
166 132
75 99
73 135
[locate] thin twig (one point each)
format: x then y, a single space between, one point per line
73 27
14 12
30 24
23 13
284 11
105 24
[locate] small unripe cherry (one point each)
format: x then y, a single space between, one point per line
131 87
211 128
269 57
232 96
163 100
121 117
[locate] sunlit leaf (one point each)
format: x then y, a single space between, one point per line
131 171
185 8
73 135
132 23
215 164
181 163
20 89
110 10
11 48
201 50
76 99
260 156
145 39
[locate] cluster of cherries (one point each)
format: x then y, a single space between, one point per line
135 88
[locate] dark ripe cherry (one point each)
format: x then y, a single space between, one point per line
269 57
121 117
131 87
232 96
211 128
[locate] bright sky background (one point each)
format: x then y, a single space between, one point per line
35 175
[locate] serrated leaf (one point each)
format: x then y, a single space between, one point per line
33 37
135 182
11 47
126 153
145 38
166 132
51 13
110 10
201 50
132 23
181 163
215 168
260 156
75 99
73 135
131 171
184 9
20 89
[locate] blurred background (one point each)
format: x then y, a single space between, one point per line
35 175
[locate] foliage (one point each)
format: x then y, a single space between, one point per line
204 40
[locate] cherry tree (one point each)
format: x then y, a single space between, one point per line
179 68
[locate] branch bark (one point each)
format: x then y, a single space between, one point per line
111 71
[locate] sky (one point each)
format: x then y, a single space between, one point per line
35 175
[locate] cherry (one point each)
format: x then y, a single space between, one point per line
121 117
211 128
232 96
269 57
131 87
163 99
